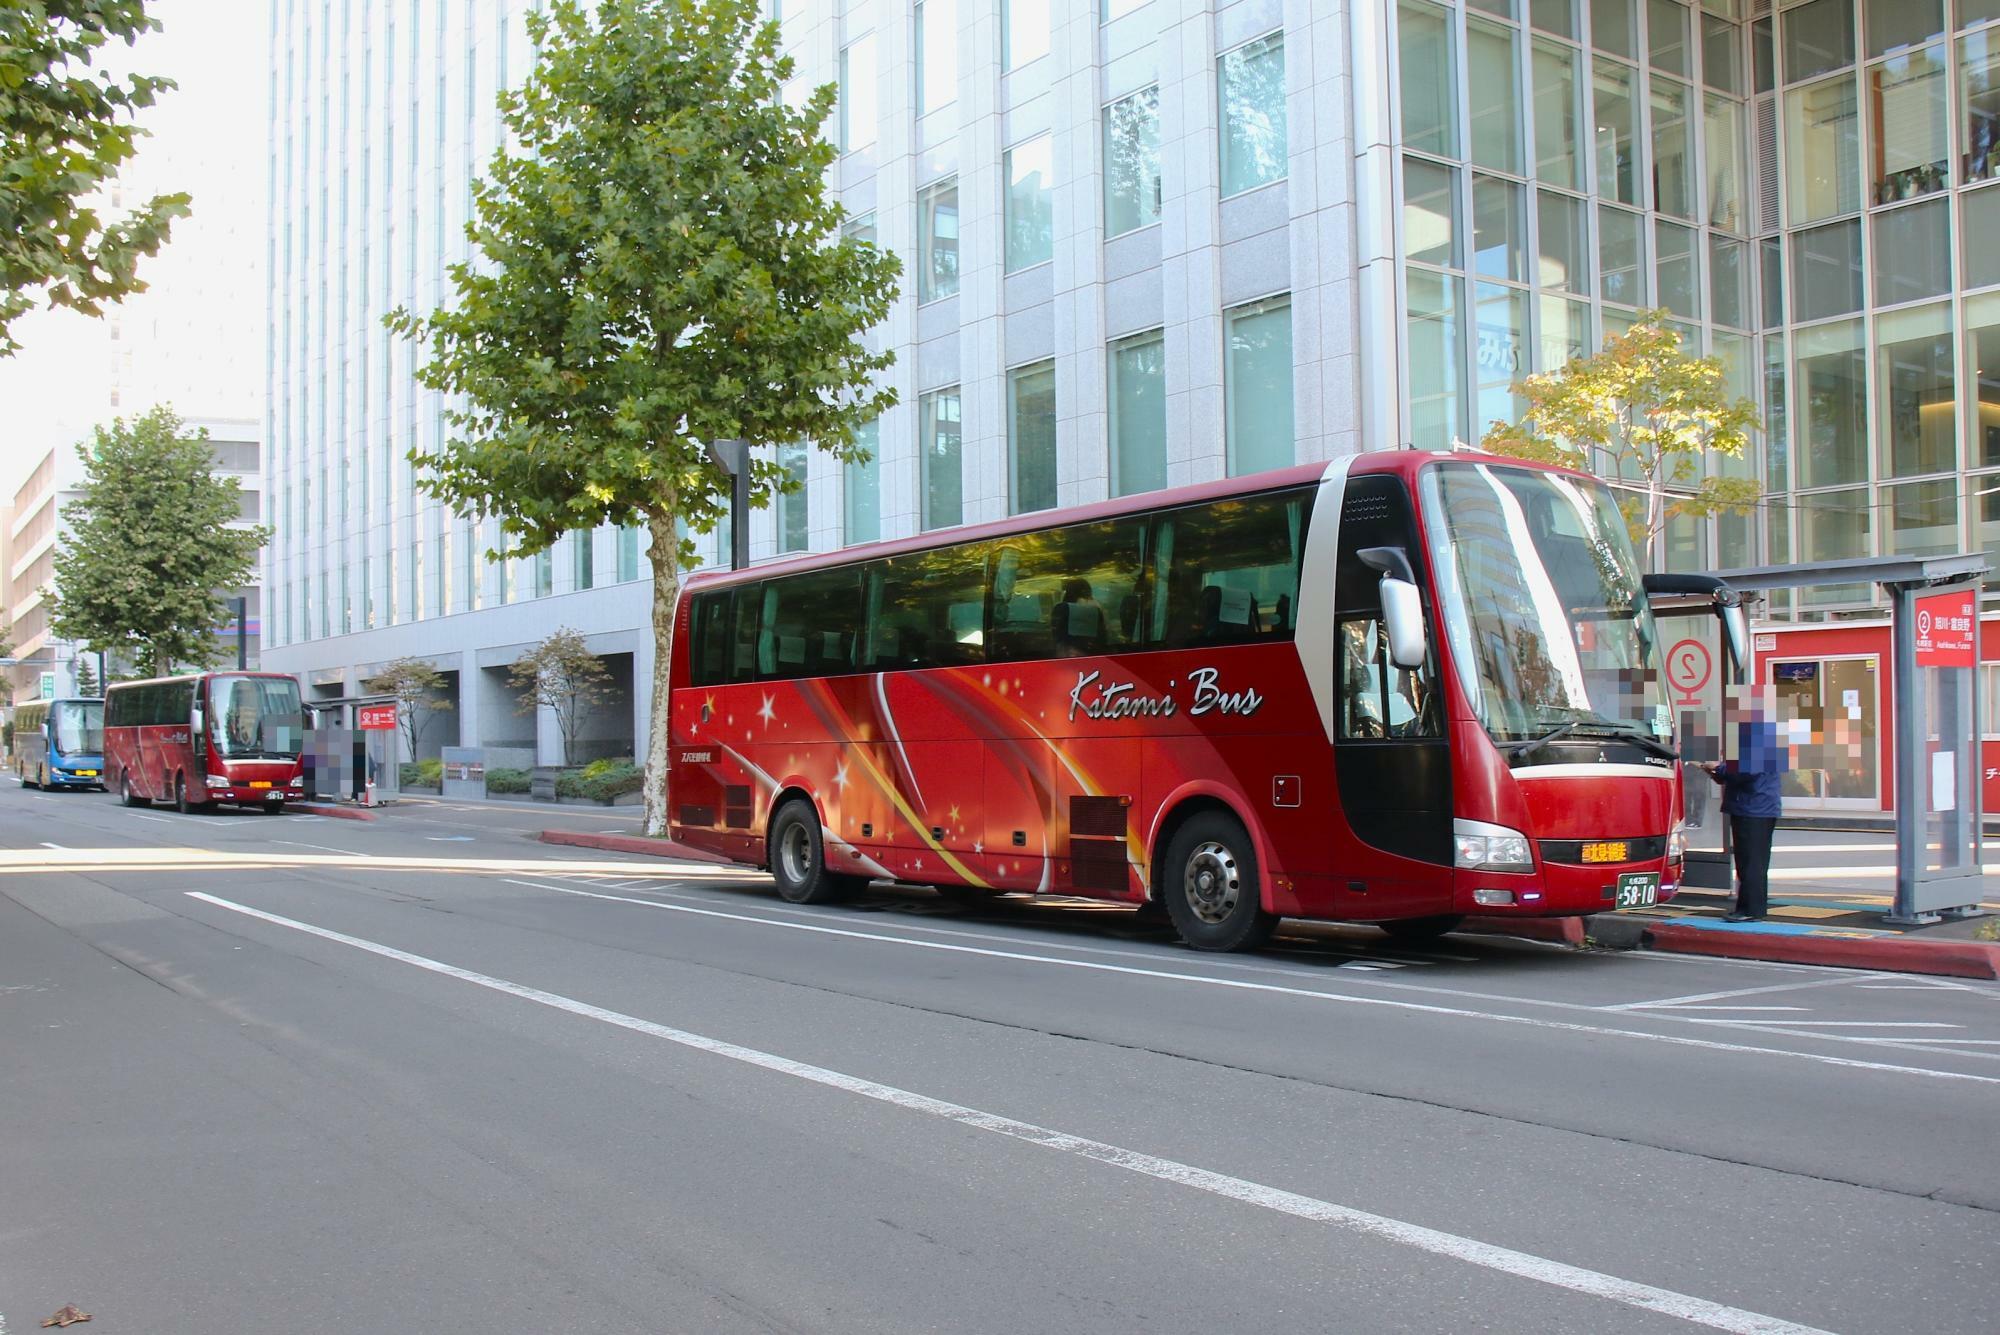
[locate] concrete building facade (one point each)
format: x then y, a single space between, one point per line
1152 243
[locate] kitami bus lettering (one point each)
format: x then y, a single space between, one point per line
1093 697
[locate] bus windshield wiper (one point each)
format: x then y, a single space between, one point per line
1524 745
1633 733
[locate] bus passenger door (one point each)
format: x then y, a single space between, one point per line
1394 770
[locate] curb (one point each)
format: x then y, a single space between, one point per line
334 810
1947 959
628 843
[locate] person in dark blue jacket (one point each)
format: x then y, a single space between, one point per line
1752 801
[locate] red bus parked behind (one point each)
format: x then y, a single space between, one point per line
1398 688
204 739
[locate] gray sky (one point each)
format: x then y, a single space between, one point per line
196 339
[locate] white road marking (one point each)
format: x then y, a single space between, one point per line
1744 992
1245 984
318 848
158 820
1841 1024
1506 1261
60 848
1734 1008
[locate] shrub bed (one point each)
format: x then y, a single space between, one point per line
506 781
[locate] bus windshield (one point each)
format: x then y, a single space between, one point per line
256 717
76 728
1542 604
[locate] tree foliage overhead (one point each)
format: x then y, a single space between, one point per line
150 549
65 129
659 264
1644 410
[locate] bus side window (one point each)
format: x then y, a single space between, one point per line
1228 572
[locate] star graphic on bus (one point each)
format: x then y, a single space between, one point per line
840 775
767 712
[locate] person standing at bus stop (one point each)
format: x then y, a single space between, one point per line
1752 800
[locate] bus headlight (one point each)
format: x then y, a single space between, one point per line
1677 842
217 781
1478 846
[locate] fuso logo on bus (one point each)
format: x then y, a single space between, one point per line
1094 697
697 757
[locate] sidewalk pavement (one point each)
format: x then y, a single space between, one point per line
1806 926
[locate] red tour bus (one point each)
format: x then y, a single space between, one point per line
200 740
1397 689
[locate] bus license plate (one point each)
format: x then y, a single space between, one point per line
85 773
260 783
1638 889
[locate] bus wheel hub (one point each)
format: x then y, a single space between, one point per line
1212 882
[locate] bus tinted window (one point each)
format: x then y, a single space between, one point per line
1068 592
808 623
927 609
709 659
1228 572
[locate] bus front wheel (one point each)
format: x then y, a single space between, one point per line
125 793
181 802
1212 888
798 857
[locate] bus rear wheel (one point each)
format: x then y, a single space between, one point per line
1212 887
125 793
797 855
1414 931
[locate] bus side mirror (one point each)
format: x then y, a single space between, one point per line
1403 620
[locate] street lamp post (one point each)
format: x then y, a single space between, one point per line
733 458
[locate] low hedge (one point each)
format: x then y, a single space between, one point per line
423 774
506 781
601 780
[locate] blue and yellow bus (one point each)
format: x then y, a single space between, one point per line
60 744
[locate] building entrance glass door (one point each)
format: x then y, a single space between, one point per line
1839 767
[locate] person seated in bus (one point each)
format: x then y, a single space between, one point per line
1077 621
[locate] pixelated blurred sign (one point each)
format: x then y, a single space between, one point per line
1946 626
1795 672
376 718
1689 666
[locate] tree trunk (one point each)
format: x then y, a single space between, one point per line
665 556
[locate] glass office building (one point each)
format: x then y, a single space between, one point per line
1150 243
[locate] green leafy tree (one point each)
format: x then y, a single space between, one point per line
150 544
416 686
1644 411
65 129
87 686
660 265
562 675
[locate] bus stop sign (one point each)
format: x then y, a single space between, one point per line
1947 624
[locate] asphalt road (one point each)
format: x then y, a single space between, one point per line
298 1074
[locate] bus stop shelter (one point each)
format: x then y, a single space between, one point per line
352 752
1934 714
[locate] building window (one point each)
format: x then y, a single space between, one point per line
1830 398
1907 23
1430 213
1024 32
1132 162
1913 252
862 486
1031 437
1139 413
1616 138
1493 103
937 228
1252 83
1500 333
1673 149
1667 37
1729 282
1116 9
858 119
1979 225
937 54
1565 252
1259 386
582 546
1564 333
1613 28
1979 72
1721 54
1558 116
1826 271
1499 229
1031 234
1818 37
793 532
545 573
628 555
1429 79
1678 275
1723 138
1918 392
1621 255
1908 116
861 229
941 437
1822 150
1436 341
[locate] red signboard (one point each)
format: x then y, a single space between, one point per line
377 718
1947 630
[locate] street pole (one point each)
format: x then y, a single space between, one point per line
242 606
733 458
